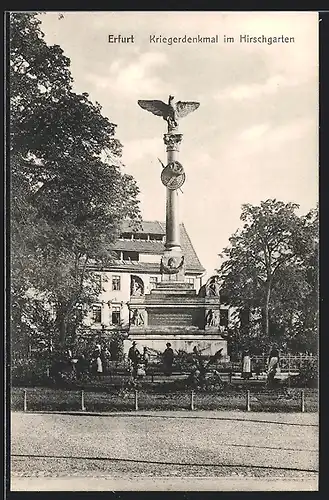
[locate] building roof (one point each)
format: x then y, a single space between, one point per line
157 247
152 247
147 226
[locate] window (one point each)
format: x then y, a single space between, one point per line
115 315
153 281
126 236
78 313
98 283
130 256
223 317
116 283
190 281
97 314
224 299
141 236
156 237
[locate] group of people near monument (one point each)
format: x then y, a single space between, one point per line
272 365
139 361
93 362
96 362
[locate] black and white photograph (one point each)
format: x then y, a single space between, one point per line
164 250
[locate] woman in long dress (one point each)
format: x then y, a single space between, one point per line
246 364
99 366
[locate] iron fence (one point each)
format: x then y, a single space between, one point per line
130 399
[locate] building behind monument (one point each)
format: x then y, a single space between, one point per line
135 271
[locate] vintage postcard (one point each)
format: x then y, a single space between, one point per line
164 251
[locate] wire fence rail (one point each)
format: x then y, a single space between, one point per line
41 399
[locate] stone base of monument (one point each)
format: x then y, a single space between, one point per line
173 312
207 344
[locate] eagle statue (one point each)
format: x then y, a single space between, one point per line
171 112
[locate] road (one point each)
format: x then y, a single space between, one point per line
164 450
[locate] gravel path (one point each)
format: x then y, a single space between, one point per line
180 445
163 484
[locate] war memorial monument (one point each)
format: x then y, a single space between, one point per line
173 311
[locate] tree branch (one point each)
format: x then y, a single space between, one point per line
282 261
82 276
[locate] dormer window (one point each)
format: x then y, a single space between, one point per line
141 236
156 237
126 236
134 256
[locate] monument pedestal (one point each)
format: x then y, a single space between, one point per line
173 312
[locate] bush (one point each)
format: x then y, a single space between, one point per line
184 361
116 346
29 371
308 375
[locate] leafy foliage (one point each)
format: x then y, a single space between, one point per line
69 194
29 371
116 346
308 375
271 267
184 361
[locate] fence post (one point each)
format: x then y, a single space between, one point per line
192 399
136 399
25 400
248 401
302 401
83 408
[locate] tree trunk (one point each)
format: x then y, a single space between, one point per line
62 330
267 310
61 320
245 321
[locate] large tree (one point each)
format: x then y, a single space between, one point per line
68 192
271 265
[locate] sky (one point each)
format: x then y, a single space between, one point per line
255 134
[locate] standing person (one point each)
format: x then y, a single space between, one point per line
196 352
99 366
246 365
168 358
105 357
273 363
97 351
134 357
81 367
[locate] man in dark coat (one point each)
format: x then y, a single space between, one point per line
168 358
134 357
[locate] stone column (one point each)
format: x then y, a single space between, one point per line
172 142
